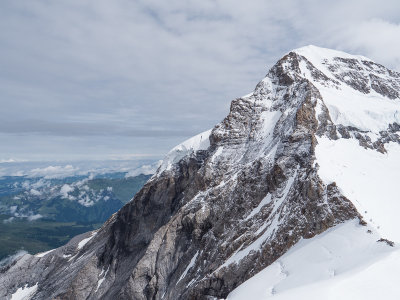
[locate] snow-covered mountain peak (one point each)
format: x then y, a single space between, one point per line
318 54
357 91
315 145
359 150
356 71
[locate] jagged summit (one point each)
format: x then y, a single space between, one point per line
357 91
283 166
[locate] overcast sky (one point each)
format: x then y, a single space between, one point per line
130 79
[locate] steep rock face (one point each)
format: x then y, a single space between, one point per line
226 203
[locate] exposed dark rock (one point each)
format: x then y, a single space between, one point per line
380 86
390 243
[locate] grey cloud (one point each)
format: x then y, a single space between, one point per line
84 129
158 69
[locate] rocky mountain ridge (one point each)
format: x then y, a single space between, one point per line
229 202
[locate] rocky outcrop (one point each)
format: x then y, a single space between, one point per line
208 222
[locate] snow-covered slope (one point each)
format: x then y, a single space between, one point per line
187 148
367 177
345 262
